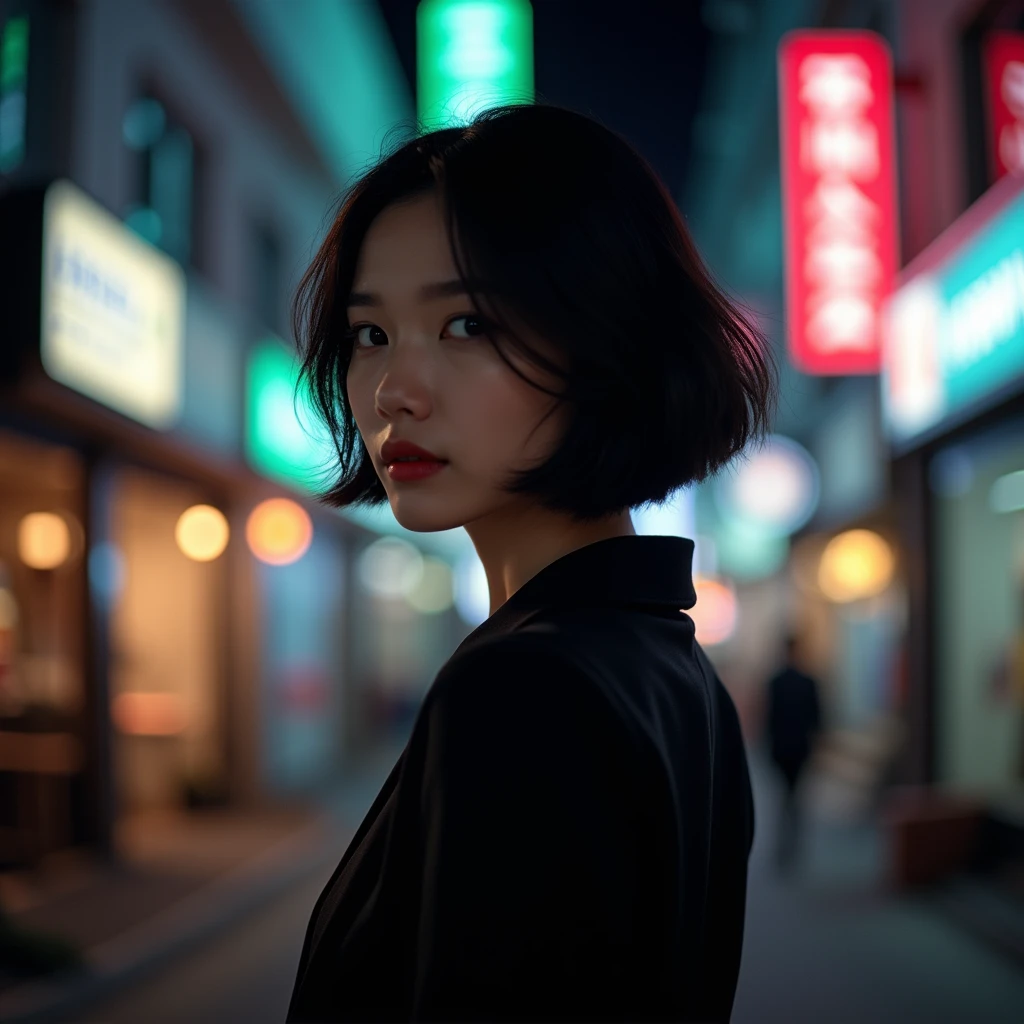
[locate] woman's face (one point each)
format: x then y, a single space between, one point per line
422 371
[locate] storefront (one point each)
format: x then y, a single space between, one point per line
953 400
42 645
158 651
112 657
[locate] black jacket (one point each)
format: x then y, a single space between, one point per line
566 834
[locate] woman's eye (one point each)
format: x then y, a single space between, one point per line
364 337
473 326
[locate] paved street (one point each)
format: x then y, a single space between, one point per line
827 945
242 977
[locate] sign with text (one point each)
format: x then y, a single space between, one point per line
112 318
954 329
838 197
1004 88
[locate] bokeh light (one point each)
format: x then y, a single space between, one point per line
715 613
202 533
472 594
106 571
855 565
748 552
1007 493
148 714
776 490
391 568
434 592
44 540
279 531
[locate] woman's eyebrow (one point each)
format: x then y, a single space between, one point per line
440 290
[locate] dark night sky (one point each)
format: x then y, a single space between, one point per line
635 65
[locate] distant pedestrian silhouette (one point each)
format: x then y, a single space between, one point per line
792 724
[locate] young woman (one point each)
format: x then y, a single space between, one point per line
566 835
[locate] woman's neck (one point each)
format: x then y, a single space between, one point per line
514 548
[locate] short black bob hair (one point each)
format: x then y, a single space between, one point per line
576 239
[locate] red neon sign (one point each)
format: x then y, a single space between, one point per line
1004 75
838 197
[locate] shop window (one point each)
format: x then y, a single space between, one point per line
42 648
978 491
164 210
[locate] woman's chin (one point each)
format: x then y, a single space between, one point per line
423 519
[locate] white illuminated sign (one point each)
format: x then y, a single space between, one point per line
112 310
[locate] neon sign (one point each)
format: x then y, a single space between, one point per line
839 197
1004 71
954 329
112 317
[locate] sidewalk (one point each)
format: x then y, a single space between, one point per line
835 943
182 879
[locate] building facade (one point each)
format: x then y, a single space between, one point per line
172 166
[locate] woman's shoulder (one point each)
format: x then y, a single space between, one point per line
516 680
511 666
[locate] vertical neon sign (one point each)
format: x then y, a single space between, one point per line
838 195
471 55
1004 74
13 80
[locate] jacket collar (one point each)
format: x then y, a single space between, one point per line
618 571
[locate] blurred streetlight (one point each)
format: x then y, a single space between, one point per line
44 540
202 533
279 531
855 565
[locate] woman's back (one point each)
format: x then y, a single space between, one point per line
567 835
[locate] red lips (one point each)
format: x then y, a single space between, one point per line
397 449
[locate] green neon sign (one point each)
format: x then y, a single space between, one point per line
472 55
283 439
13 79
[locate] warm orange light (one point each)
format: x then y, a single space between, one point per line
855 565
202 533
279 531
148 714
715 612
44 540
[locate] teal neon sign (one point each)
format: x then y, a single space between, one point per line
283 439
955 337
472 55
984 293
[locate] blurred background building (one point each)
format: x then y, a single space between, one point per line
914 626
180 622
182 626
